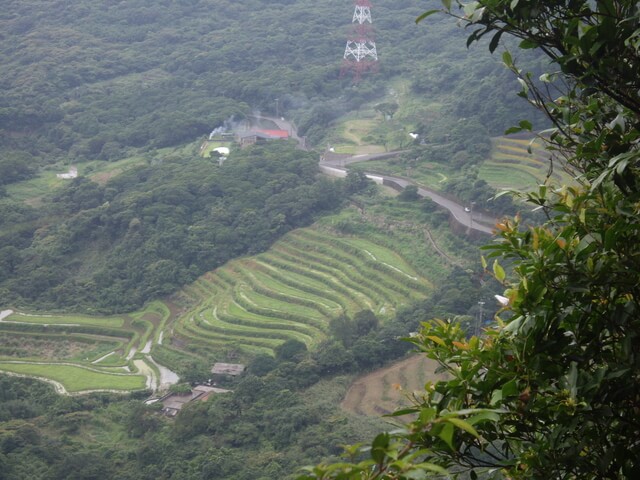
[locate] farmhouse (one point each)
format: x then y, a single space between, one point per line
172 403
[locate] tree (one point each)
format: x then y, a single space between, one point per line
291 349
365 321
387 109
551 391
343 329
356 181
410 193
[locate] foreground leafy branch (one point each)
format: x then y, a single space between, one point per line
553 389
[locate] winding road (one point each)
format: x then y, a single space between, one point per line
335 165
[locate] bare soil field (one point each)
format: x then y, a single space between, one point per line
385 390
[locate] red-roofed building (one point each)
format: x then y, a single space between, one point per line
275 133
251 137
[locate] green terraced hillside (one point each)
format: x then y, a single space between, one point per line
512 167
80 353
292 291
295 289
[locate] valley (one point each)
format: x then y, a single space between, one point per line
186 184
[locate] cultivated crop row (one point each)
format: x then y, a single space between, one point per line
295 289
512 166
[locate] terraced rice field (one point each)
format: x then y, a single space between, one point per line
512 166
20 317
75 378
295 289
83 353
255 304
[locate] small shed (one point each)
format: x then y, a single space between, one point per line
231 369
72 173
173 403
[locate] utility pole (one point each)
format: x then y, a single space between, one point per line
360 53
479 318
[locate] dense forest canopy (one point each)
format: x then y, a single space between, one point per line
159 227
92 80
87 81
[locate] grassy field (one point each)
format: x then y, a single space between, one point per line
112 322
76 378
31 191
367 131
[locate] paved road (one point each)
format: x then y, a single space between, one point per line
336 166
469 219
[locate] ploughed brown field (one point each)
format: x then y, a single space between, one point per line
387 389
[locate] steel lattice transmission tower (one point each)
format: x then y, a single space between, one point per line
360 54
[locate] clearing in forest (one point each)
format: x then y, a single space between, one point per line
511 166
385 390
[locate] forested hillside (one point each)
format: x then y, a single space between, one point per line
111 247
126 91
93 80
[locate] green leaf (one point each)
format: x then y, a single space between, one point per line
446 434
463 425
528 44
510 388
525 86
473 11
526 125
498 271
507 59
545 78
433 468
483 417
426 14
495 41
511 130
427 414
404 411
416 474
572 379
379 447
436 339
